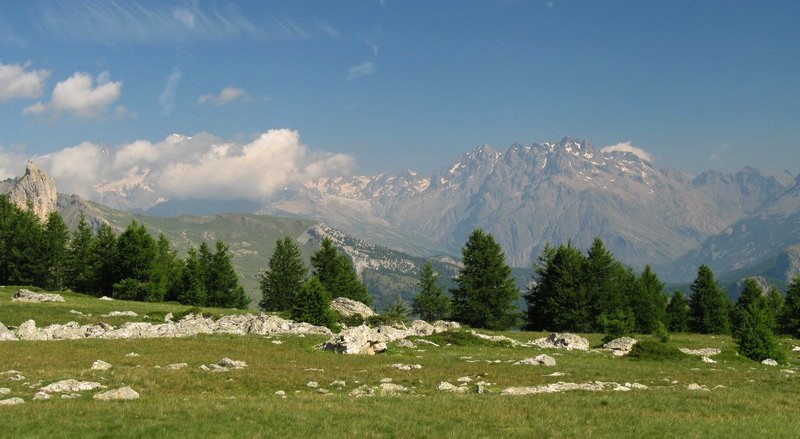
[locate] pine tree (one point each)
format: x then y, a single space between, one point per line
753 333
485 295
649 303
53 260
678 313
775 304
397 310
7 212
708 304
336 273
557 298
80 260
104 251
222 282
790 317
313 305
284 276
193 284
430 303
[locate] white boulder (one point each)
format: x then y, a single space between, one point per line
348 307
121 394
23 295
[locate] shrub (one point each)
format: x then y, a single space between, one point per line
655 351
661 333
754 336
313 305
383 319
617 325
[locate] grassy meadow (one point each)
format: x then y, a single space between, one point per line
747 399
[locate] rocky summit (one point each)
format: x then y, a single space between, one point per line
34 187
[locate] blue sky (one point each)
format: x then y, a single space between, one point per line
394 84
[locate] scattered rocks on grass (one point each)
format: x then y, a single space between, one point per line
131 354
347 307
338 383
769 362
176 366
402 366
596 386
427 342
695 386
620 346
539 360
121 394
495 338
447 387
562 341
704 352
101 365
121 314
78 313
361 340
12 401
312 384
70 386
363 390
796 349
16 377
709 360
388 389
23 295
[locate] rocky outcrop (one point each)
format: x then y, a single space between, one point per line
347 307
595 386
37 188
70 386
6 334
562 341
704 352
121 394
23 295
364 340
620 346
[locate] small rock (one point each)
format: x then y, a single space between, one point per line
402 366
338 384
70 386
705 352
464 380
405 343
276 342
769 362
447 387
280 393
695 386
41 396
131 354
539 360
121 394
796 349
16 377
788 371
386 380
322 391
72 311
312 384
101 365
705 359
168 317
622 389
4 390
362 391
121 314
71 396
231 364
391 389
620 346
105 298
556 374
204 367
12 401
562 341
177 366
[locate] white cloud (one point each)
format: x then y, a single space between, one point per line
79 95
167 97
364 69
17 82
201 166
627 147
12 164
225 96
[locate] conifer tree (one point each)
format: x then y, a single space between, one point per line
678 313
313 305
430 303
104 252
193 285
222 282
167 270
336 273
708 304
775 304
753 331
605 282
485 295
751 293
80 260
25 248
557 299
284 276
649 302
51 265
790 316
135 259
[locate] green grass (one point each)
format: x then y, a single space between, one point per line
756 400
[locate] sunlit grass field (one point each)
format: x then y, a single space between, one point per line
748 399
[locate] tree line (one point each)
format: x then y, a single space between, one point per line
132 265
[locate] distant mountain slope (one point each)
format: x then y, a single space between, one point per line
550 192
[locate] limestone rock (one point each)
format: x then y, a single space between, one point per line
23 295
388 389
361 340
443 326
695 386
41 396
447 387
4 391
101 365
562 341
121 394
401 366
422 328
70 386
12 401
177 366
105 298
620 346
348 307
704 352
539 360
495 338
312 384
796 349
557 388
404 343
6 334
168 317
121 314
705 359
363 390
769 362
38 188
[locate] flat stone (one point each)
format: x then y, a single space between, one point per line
562 341
402 366
312 384
121 394
121 314
769 362
539 360
705 359
101 365
695 386
176 366
105 298
704 352
70 386
231 364
387 389
12 401
41 396
23 295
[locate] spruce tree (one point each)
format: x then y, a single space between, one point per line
167 270
104 252
605 282
485 295
775 304
336 273
751 293
557 299
283 277
193 284
313 305
53 261
790 316
25 248
708 304
80 260
678 313
135 259
649 302
222 282
430 303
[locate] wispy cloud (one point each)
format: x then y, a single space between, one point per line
167 97
225 96
122 22
359 71
18 82
328 30
80 95
628 147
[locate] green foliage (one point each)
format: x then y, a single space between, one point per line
80 259
313 305
283 277
708 304
485 294
617 324
649 303
790 316
397 309
136 254
430 303
557 298
661 333
53 260
754 334
336 273
193 285
132 289
605 282
104 251
652 350
678 313
222 282
350 321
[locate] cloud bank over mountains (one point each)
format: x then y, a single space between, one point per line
200 166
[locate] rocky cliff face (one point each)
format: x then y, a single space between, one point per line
36 188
